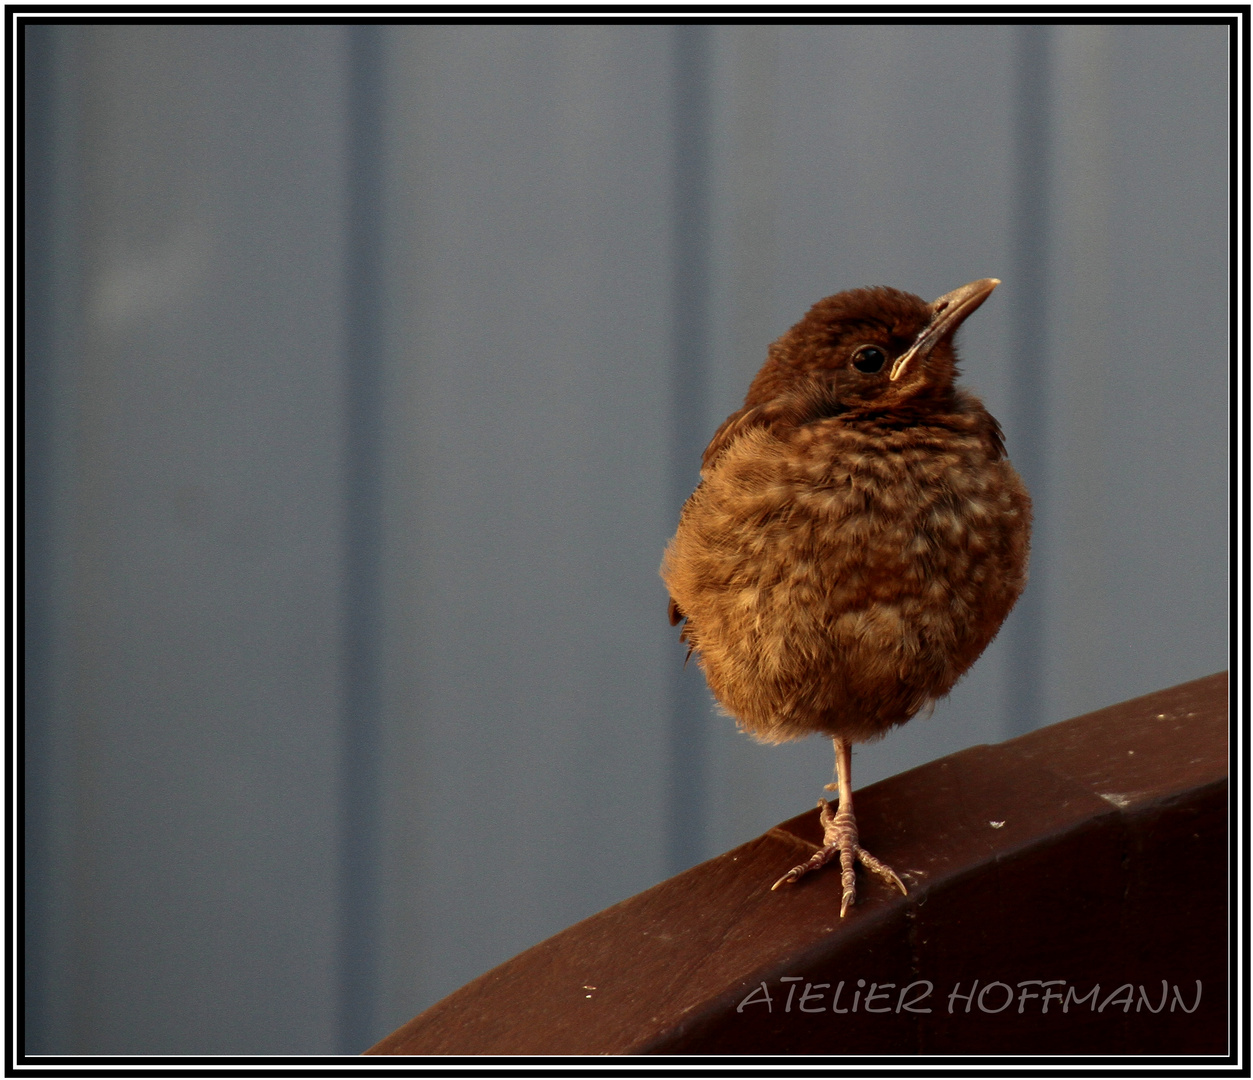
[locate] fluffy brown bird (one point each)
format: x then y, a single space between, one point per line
857 537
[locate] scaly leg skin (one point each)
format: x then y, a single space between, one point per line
839 837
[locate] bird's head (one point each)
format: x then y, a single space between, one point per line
872 349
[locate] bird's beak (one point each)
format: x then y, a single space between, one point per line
947 314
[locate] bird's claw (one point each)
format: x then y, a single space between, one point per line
819 859
882 869
840 841
787 879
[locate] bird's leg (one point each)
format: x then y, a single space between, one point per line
839 837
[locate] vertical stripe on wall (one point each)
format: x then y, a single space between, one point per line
1084 536
360 810
688 744
51 327
1028 414
37 61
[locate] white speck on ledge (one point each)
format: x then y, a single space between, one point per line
997 824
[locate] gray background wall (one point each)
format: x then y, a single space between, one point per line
366 371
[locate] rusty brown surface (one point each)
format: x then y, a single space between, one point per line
1093 851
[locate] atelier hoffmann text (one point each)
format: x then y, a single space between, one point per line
992 997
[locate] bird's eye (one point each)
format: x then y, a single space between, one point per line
869 358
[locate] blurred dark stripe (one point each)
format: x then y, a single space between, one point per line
38 58
685 843
359 896
1029 337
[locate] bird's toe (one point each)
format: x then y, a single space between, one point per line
882 869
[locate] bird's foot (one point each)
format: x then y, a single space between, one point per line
839 838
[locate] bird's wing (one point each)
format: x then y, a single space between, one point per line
685 635
997 438
805 402
733 426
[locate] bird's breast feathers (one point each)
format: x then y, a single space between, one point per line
890 555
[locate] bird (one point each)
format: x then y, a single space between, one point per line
856 539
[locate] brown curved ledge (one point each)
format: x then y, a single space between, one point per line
1093 851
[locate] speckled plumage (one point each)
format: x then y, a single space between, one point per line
857 537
